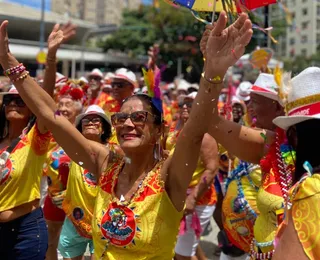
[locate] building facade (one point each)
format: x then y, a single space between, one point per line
303 36
96 11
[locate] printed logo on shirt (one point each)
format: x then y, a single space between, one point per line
118 225
6 171
89 178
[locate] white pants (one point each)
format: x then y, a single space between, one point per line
188 242
226 257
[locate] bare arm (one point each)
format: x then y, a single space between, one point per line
209 158
56 38
220 56
289 245
87 153
245 143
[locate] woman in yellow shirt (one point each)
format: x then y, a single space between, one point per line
140 200
23 150
82 189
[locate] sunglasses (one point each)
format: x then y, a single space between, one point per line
95 121
119 84
138 118
187 103
7 99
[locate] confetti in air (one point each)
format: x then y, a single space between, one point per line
80 163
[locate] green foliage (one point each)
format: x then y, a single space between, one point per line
168 26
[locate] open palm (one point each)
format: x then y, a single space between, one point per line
4 41
61 35
223 46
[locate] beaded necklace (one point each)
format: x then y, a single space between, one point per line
243 170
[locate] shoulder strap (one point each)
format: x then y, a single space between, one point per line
13 145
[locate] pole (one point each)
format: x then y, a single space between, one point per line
42 30
266 24
214 10
269 25
179 67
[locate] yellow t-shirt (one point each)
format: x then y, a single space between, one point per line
80 198
20 180
56 168
238 222
146 228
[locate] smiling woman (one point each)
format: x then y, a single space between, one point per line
141 198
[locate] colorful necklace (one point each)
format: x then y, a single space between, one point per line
243 170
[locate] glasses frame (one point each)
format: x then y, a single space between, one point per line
146 113
7 99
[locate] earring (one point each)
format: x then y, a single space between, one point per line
157 151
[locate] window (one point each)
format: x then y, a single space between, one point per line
305 11
304 25
318 24
304 52
292 41
318 38
304 39
318 10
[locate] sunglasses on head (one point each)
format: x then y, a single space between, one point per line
95 121
7 99
138 118
187 103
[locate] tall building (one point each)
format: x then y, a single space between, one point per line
97 11
303 37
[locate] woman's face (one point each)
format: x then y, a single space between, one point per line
185 108
15 108
68 108
135 126
92 127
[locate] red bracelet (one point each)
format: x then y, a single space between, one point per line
15 70
21 77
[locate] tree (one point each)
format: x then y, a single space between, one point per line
176 31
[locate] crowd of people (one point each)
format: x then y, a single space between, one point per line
137 172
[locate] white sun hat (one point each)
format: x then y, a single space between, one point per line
303 99
96 72
12 91
93 110
243 91
125 74
183 85
266 86
192 95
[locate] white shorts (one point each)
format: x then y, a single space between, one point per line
226 257
188 242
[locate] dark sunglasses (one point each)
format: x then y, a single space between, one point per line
95 121
17 100
187 103
119 84
138 118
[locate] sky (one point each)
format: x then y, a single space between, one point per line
33 3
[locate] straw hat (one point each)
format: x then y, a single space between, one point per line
266 86
303 99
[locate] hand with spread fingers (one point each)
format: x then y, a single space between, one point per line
60 35
224 46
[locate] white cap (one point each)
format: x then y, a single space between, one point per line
195 86
83 79
183 85
12 91
191 96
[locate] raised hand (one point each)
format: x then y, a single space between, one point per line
4 42
204 39
59 36
226 45
153 56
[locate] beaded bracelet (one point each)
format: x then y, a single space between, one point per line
214 80
21 77
15 70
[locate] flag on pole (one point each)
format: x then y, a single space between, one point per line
203 5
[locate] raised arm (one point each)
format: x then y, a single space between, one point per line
88 154
246 143
56 38
223 46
